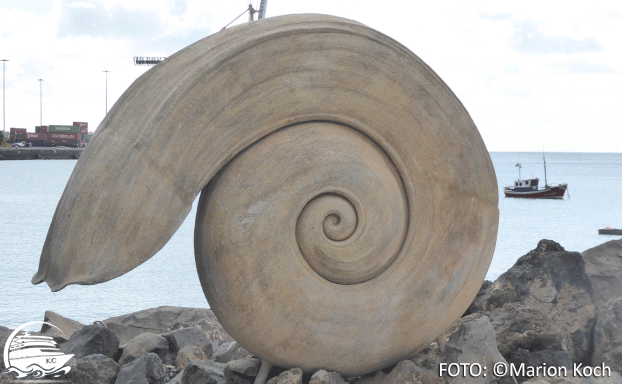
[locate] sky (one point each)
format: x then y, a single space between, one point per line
533 75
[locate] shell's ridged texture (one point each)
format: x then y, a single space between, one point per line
349 207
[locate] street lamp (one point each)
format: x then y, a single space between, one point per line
3 113
106 90
40 103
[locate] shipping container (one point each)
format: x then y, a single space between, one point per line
44 129
63 136
18 130
64 129
37 136
84 127
41 128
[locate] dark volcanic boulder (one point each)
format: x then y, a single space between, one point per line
182 337
144 343
203 372
408 372
90 340
608 335
518 326
188 354
4 335
160 320
603 264
242 371
92 369
474 342
291 376
147 369
554 281
63 326
227 352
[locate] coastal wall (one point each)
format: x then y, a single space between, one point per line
40 153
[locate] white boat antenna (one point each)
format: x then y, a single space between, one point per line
546 184
262 9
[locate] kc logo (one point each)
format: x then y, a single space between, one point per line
34 356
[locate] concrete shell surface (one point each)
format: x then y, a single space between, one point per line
349 207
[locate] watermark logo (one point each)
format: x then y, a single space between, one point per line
34 356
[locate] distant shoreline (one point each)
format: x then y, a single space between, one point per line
40 153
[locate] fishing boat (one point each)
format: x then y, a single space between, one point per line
609 231
529 189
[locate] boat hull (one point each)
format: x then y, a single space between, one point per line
556 192
610 231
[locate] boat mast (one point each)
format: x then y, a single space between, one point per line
546 184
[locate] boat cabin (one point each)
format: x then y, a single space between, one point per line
526 185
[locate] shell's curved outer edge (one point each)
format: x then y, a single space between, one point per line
184 120
129 178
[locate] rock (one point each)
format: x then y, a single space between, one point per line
518 326
144 343
378 377
213 330
241 371
603 264
555 282
176 379
608 335
147 369
179 338
170 373
325 377
473 343
91 339
188 354
158 320
101 369
124 333
480 298
430 357
291 376
65 327
408 372
203 372
615 378
230 351
4 336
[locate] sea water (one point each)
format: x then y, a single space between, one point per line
30 190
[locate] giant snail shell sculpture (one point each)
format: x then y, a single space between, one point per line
348 210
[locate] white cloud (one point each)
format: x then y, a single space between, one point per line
529 73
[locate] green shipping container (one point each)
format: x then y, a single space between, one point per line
64 129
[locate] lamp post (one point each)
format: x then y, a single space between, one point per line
106 90
3 97
40 103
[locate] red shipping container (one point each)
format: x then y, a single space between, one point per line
84 127
37 136
44 128
63 136
18 130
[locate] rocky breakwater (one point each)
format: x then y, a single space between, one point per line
554 317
